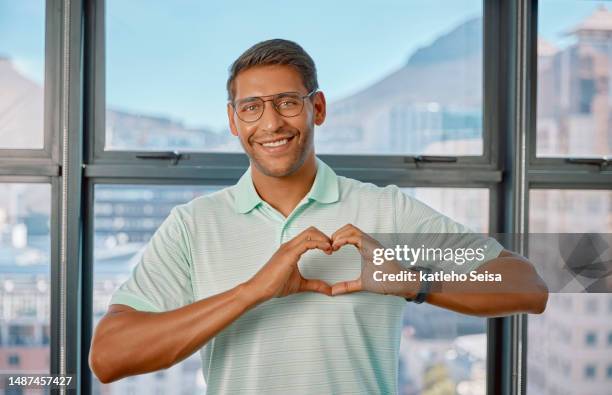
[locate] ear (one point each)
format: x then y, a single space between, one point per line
319 105
230 117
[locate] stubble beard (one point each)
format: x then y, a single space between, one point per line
302 155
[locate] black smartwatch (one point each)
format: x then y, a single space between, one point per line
424 286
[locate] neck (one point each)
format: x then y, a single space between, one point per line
284 193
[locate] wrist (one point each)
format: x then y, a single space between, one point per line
250 294
412 287
420 291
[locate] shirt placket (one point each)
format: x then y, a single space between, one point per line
284 230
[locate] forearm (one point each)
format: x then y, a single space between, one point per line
490 305
134 342
520 291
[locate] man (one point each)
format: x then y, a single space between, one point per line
255 276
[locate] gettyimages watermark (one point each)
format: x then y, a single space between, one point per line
460 262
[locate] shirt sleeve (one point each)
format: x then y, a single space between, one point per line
161 280
439 231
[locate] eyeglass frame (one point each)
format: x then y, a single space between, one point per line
233 104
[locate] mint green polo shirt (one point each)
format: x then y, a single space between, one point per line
301 344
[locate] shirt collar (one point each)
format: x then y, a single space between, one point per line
323 190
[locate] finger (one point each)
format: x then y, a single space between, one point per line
341 231
348 231
315 234
320 286
346 287
348 239
311 233
306 245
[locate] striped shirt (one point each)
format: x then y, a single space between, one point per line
300 344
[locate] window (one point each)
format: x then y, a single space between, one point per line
424 64
574 50
590 339
437 342
548 332
24 275
131 215
590 371
468 206
13 360
22 65
369 110
418 91
592 305
550 212
26 170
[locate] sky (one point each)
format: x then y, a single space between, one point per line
170 58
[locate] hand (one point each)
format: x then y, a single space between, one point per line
280 276
350 234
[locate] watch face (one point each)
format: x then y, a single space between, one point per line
420 298
424 288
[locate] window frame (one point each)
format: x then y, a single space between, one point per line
41 161
122 167
546 173
546 170
43 166
97 156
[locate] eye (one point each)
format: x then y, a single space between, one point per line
287 102
249 107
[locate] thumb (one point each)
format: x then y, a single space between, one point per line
320 286
345 287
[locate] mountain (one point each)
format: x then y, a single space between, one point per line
448 71
22 115
458 44
435 97
21 109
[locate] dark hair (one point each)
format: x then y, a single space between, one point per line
275 52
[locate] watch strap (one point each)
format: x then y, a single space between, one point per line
424 286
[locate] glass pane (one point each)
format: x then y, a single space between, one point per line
469 206
125 218
404 77
22 65
574 69
24 278
570 211
566 353
443 352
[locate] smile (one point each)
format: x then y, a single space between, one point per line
276 146
276 143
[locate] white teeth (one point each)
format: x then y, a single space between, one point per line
276 143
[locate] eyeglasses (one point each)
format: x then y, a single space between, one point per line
287 104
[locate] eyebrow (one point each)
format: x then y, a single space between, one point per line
288 93
252 98
247 99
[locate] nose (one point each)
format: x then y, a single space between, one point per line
270 120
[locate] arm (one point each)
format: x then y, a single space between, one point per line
128 342
520 291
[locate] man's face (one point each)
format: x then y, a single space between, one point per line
295 134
